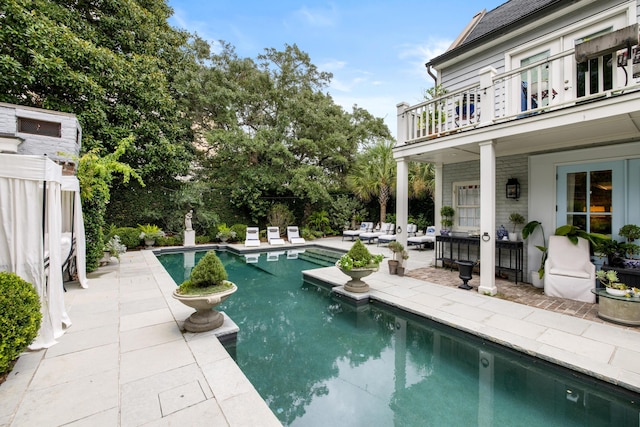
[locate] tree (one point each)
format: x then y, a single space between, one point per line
113 64
422 180
374 175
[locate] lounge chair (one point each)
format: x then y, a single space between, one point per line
293 235
253 237
364 227
273 236
429 238
385 228
251 258
387 238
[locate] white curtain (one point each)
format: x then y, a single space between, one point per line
31 224
72 219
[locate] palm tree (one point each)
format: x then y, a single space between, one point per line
422 180
374 175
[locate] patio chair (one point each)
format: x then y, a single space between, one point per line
253 237
569 272
385 228
293 235
364 227
429 238
273 236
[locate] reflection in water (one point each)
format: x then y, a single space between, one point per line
319 360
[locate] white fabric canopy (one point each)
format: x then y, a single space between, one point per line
73 222
30 227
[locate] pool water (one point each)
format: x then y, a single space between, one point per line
319 360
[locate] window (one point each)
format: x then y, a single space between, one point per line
535 82
596 74
589 200
39 127
467 204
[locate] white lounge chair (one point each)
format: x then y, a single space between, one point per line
293 235
253 237
421 241
385 228
364 227
388 238
273 236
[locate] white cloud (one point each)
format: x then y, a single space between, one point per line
318 17
416 55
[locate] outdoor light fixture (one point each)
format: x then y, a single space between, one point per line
513 189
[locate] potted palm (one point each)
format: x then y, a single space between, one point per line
149 233
358 263
225 233
206 287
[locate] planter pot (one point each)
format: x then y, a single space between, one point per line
356 284
513 237
400 271
224 239
205 318
617 292
106 258
149 242
444 232
535 279
393 266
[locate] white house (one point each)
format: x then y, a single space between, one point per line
41 224
543 92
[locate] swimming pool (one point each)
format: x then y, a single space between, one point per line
317 359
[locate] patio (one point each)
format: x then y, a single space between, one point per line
126 362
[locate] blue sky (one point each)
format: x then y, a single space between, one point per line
376 50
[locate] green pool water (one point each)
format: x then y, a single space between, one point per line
318 360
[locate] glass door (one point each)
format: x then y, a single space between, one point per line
591 196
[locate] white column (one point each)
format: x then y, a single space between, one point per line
402 199
487 101
437 199
401 130
487 219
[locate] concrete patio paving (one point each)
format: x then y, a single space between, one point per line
126 362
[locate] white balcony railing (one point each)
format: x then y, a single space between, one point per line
553 83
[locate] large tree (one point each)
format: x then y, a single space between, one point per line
274 135
113 64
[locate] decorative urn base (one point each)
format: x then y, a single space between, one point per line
356 284
205 318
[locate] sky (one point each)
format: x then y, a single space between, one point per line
376 50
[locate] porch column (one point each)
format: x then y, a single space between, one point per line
487 101
437 197
402 123
402 199
487 218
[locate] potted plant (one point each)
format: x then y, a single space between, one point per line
527 231
358 263
206 287
609 279
398 255
516 219
225 233
630 232
113 248
149 233
447 213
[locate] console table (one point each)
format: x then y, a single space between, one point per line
450 249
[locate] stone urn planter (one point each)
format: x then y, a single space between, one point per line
356 284
206 318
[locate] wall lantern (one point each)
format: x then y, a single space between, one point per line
513 189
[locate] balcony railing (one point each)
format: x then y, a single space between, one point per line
519 93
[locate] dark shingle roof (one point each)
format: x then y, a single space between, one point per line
502 19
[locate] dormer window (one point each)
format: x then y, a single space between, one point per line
39 127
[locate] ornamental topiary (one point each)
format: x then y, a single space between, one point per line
20 317
359 257
208 276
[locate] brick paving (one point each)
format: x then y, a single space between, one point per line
522 293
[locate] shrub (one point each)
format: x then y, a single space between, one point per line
202 239
173 240
241 232
208 276
359 257
20 317
129 236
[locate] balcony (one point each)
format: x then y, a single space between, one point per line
553 84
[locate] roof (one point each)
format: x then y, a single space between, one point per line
501 20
